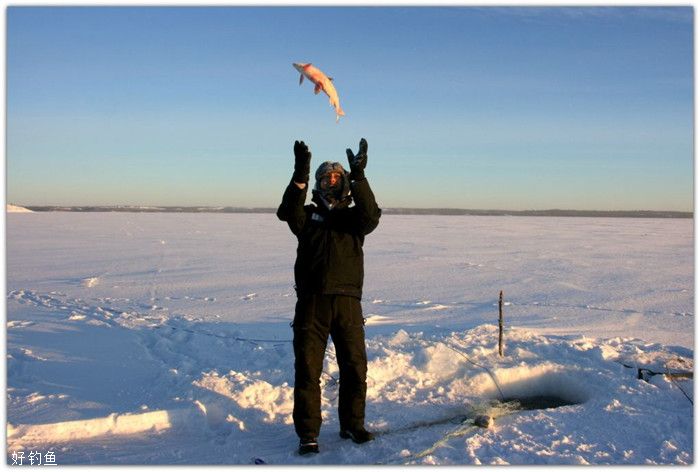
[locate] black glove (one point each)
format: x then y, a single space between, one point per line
358 162
302 162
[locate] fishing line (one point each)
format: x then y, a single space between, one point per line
334 380
223 336
679 388
673 381
459 431
256 341
502 410
670 375
491 374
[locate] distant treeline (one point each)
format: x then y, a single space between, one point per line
386 211
585 213
152 209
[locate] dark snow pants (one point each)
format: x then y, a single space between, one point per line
315 318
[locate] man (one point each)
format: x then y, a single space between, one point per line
329 273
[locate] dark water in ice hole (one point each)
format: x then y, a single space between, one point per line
538 402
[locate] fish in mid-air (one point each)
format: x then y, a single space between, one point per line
321 82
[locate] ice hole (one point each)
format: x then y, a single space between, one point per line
539 402
540 388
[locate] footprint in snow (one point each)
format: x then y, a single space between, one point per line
24 354
436 307
194 299
19 324
373 319
90 282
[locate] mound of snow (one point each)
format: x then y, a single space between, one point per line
17 209
113 425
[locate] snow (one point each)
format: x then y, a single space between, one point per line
164 339
17 209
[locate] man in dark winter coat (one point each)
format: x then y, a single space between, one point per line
329 273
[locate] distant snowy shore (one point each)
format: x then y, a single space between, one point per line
17 209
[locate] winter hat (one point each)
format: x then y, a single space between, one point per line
329 167
337 193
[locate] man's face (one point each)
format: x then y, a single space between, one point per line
330 180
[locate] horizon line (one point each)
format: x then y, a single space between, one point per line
386 210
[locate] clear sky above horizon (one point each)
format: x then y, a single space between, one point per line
464 107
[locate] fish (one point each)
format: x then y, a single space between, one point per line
321 82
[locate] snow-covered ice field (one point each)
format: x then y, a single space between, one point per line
137 338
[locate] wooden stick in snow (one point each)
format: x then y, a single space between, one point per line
500 324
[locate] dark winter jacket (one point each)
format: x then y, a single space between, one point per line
330 260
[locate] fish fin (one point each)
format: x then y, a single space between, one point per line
301 79
317 89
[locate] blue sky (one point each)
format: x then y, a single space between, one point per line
463 107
